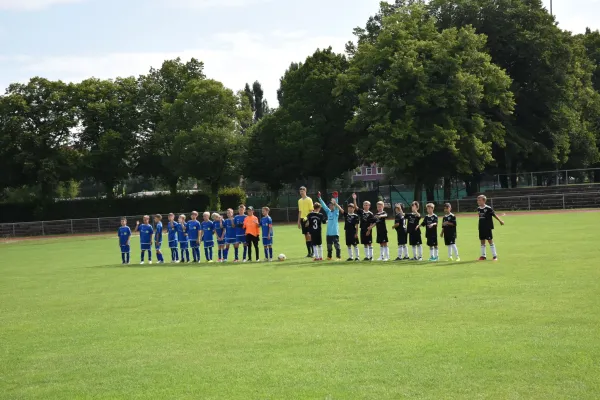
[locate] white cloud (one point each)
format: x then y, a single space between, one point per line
32 5
233 58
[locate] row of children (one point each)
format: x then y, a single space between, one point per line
359 224
240 230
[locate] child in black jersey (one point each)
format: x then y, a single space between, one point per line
400 227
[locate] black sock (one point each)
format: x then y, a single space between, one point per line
309 248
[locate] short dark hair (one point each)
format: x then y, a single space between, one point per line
317 206
447 205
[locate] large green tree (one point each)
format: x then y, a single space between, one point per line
326 149
431 103
36 131
109 128
271 159
207 118
550 78
159 90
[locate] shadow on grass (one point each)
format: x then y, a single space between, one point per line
166 265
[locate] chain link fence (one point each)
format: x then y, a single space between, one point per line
89 226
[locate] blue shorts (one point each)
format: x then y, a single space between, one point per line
267 242
208 243
240 239
194 244
221 242
125 248
173 244
230 240
184 245
146 246
157 245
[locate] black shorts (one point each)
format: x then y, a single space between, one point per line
334 240
449 240
432 241
415 238
486 234
364 239
351 239
382 237
305 229
317 240
402 238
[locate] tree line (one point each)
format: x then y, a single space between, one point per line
436 90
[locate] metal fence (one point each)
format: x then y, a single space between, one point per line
289 215
549 178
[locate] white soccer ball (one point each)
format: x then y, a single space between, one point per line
281 257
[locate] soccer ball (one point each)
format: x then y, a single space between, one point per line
281 257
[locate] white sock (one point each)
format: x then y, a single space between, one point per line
420 248
350 252
435 252
357 251
371 252
483 253
449 251
414 251
316 251
405 250
386 252
431 252
493 248
400 251
455 250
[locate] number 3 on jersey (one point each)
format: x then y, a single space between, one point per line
315 224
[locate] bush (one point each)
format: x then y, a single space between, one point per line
97 208
232 197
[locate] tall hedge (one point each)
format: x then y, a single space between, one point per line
95 208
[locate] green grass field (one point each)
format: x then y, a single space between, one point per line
75 324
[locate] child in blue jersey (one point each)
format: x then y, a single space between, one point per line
158 231
183 239
220 233
193 231
172 236
266 224
207 236
240 232
230 234
146 232
333 228
124 236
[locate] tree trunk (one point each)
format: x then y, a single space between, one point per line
274 201
472 185
447 188
173 186
502 167
513 174
214 196
539 180
430 192
109 189
418 193
323 187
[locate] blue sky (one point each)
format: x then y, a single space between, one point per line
238 40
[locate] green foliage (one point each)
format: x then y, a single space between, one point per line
231 197
426 95
317 117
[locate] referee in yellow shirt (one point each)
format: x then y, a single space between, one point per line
305 206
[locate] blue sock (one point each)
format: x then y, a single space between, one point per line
206 253
160 257
220 253
245 252
127 258
210 253
267 253
198 253
182 257
149 255
237 253
123 257
187 255
271 253
143 252
226 253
